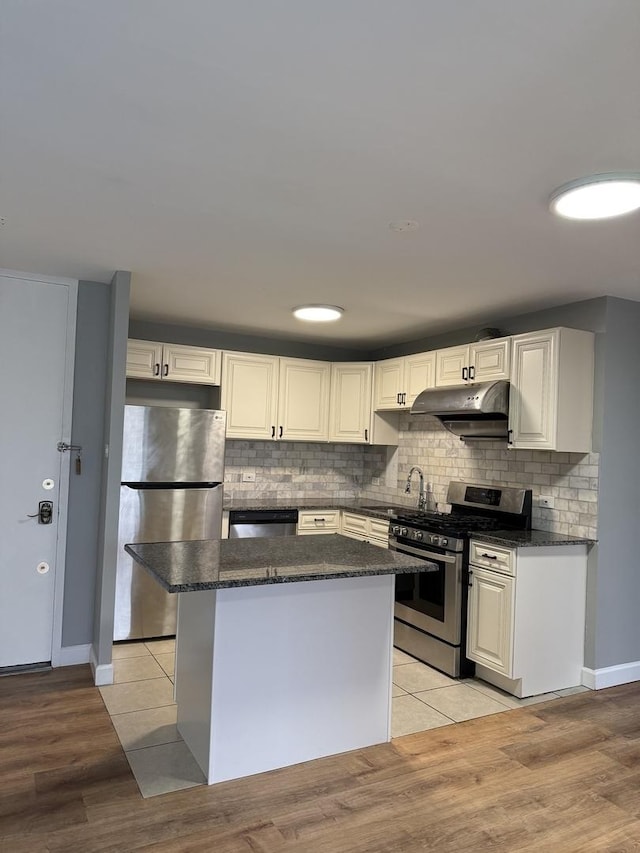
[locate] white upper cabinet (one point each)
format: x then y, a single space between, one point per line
551 397
478 362
398 381
351 418
275 398
350 408
303 399
172 362
250 394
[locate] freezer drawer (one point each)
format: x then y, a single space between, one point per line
143 609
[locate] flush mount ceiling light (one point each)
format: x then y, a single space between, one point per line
318 313
597 197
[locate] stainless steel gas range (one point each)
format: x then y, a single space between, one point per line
431 606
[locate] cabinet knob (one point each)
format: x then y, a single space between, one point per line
156 369
465 374
472 372
165 372
470 581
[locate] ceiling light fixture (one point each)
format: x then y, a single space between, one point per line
597 197
318 313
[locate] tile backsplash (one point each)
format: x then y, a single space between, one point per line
297 469
571 479
344 471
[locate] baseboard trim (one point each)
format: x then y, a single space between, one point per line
102 673
73 655
611 676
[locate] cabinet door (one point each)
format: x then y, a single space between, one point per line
191 364
350 408
389 382
354 525
250 394
490 360
303 404
450 364
532 400
490 620
419 374
144 359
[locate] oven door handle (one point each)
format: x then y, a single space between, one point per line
426 555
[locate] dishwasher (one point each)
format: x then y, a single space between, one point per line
250 523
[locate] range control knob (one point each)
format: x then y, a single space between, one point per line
444 543
419 536
404 531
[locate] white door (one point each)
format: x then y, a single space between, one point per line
37 341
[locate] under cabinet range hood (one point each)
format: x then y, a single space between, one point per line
472 412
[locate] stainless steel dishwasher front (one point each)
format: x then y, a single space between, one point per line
250 523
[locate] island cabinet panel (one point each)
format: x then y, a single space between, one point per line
317 654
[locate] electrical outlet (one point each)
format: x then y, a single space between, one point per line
546 501
248 476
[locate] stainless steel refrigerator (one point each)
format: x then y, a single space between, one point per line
172 474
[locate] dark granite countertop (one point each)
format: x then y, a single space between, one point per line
529 538
222 563
375 509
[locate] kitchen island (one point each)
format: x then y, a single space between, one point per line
284 646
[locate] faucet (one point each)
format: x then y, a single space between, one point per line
422 497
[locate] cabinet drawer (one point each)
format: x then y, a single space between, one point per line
379 529
318 521
356 524
493 557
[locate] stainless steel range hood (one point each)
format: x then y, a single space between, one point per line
472 412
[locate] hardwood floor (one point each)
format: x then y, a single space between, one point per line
560 776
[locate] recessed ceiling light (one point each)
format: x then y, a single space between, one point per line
597 197
318 313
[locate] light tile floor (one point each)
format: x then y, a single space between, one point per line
143 713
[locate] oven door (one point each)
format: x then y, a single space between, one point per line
431 600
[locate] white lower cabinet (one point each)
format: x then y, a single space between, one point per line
490 622
313 521
526 616
366 529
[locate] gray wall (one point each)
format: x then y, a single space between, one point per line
84 490
614 608
107 546
218 339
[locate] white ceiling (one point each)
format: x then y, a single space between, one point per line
244 157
